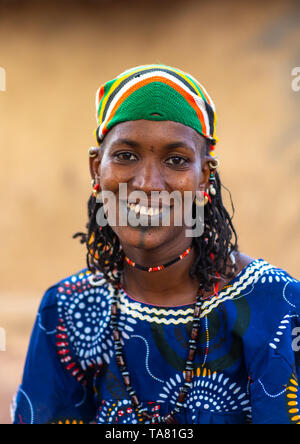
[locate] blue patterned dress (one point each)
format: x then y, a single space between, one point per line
247 365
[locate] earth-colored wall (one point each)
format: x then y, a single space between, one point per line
57 53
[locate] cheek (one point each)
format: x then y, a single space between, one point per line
187 187
188 182
109 177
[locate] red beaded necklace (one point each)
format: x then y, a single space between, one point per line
159 267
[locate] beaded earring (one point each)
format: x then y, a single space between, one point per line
97 193
206 198
213 166
211 191
212 184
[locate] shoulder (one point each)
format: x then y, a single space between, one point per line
75 291
270 286
267 303
265 290
82 305
264 276
272 298
273 280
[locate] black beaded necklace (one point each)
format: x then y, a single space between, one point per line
159 267
189 364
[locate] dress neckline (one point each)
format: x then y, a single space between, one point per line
174 307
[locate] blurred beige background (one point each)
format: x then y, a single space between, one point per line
57 53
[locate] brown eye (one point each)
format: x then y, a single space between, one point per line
126 156
177 161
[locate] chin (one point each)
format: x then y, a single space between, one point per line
146 238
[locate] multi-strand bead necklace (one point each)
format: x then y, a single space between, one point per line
169 418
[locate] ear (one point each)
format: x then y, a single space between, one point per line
205 173
95 157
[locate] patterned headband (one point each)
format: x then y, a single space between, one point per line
155 92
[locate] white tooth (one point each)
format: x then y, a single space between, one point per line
156 211
150 212
132 207
137 208
143 210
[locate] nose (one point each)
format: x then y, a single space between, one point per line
149 178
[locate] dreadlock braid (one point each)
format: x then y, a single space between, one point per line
213 247
104 252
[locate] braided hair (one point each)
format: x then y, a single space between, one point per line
213 248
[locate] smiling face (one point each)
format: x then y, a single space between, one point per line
150 156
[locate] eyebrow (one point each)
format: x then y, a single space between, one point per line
128 142
179 144
168 146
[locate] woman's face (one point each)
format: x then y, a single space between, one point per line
150 156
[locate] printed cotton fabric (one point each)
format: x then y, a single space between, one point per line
247 365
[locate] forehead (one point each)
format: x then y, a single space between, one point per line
155 133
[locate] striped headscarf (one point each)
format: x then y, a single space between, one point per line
155 92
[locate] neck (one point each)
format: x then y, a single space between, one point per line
171 286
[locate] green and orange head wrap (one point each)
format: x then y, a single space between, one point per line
155 92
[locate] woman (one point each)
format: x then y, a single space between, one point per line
162 327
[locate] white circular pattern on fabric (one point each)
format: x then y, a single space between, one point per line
85 312
208 393
122 410
273 275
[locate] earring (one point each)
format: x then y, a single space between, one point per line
215 165
97 193
206 198
96 189
93 151
212 182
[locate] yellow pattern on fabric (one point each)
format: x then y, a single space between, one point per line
292 400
